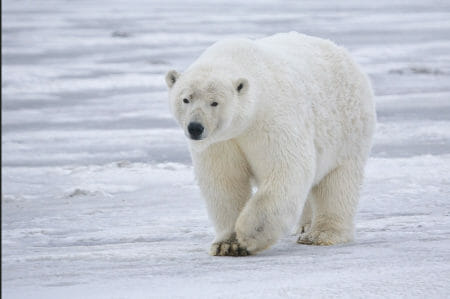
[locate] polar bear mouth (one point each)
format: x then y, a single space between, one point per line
196 138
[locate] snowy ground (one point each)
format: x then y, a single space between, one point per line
98 195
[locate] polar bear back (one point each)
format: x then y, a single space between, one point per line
304 84
285 63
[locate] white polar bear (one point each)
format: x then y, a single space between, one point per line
291 115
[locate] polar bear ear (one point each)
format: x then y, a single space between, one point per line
241 85
171 78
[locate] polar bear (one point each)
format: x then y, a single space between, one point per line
279 130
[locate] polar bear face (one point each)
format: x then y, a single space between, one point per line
208 108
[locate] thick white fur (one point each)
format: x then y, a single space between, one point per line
300 128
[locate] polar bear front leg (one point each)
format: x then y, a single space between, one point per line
272 211
224 179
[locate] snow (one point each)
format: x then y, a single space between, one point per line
98 194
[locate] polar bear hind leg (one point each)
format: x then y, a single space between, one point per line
334 205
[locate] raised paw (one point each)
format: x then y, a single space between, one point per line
230 247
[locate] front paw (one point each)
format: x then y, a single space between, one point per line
230 247
254 234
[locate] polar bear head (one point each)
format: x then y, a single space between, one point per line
209 106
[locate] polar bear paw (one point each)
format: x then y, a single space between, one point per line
230 247
324 238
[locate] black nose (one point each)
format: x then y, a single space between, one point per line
195 130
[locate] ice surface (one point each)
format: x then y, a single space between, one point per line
98 194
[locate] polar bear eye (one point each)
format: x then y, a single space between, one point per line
214 104
186 101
